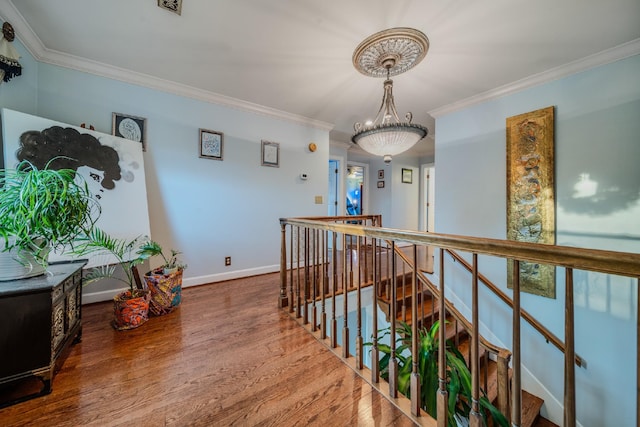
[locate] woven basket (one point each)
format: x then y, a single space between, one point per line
130 312
165 289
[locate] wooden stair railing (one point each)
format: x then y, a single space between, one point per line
546 333
502 355
316 270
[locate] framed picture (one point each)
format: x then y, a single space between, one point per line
381 174
531 195
174 6
380 184
270 154
407 176
130 127
211 144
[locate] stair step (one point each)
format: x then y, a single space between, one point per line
530 409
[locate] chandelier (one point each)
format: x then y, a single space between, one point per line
385 54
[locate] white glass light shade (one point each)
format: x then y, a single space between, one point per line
389 139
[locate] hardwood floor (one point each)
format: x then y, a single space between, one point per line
226 356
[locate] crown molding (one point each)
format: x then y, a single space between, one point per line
36 48
607 56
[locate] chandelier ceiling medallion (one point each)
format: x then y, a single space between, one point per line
385 54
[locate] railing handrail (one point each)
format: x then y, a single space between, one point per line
502 352
611 262
547 334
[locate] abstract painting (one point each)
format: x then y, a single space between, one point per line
530 194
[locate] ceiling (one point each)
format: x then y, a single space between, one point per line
295 55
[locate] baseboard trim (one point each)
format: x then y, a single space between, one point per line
100 296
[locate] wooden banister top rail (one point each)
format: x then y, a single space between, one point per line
619 263
547 334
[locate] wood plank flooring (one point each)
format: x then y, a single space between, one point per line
226 357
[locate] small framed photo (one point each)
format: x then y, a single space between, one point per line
381 174
211 144
380 184
270 154
407 176
130 127
174 6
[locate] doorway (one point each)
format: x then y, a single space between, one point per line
427 197
355 189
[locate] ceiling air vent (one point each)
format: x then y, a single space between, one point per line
174 6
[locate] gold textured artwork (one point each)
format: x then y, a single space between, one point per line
530 194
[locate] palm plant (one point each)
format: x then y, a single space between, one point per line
126 252
151 248
458 374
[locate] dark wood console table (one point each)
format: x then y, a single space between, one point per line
40 317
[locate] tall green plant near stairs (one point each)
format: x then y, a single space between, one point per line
458 374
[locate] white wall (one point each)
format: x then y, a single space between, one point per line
208 209
597 128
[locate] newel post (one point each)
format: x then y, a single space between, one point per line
283 301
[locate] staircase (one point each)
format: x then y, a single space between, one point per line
428 312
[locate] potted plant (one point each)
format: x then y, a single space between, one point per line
130 307
40 210
165 281
458 375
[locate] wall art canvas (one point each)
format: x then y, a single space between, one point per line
530 194
112 166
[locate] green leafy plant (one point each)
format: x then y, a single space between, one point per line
458 374
44 209
126 252
151 248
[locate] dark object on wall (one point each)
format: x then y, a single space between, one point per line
40 318
9 65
